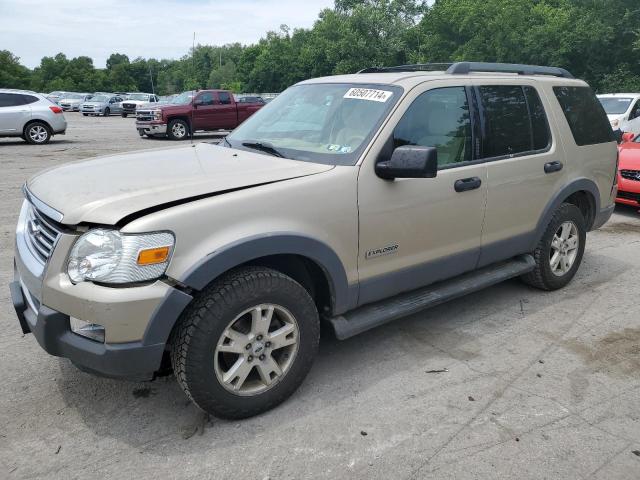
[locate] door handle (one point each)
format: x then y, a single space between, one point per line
466 184
552 167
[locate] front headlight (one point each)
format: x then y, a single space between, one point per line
157 114
108 256
615 123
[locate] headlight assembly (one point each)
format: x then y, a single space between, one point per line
108 256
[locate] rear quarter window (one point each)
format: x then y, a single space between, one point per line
585 115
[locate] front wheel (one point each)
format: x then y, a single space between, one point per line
560 250
177 129
124 115
107 112
246 343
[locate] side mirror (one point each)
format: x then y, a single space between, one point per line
197 103
410 161
628 137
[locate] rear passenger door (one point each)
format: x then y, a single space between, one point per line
13 112
525 166
226 112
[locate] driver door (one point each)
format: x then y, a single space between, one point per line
416 231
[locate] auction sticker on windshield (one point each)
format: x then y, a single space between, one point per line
368 94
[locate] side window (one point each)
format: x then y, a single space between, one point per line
506 120
206 98
438 118
635 111
585 115
10 100
224 97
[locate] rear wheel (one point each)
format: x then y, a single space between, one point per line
247 343
37 133
560 250
177 129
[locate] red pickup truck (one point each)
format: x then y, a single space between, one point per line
203 110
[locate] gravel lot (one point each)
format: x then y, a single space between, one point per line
530 384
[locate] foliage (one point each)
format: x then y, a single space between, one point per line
598 40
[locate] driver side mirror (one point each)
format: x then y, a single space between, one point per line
410 161
628 137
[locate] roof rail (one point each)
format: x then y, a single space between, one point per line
463 68
417 67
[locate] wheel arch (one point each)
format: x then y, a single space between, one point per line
583 193
36 120
310 262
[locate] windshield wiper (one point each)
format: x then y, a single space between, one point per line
265 147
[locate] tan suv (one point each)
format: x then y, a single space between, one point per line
354 199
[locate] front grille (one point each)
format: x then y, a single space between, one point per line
41 234
144 115
630 174
629 195
130 106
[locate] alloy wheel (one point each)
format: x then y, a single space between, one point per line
256 350
564 248
38 133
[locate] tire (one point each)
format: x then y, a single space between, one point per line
177 129
85 114
553 248
199 365
37 133
107 111
124 115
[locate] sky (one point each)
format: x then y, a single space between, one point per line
32 29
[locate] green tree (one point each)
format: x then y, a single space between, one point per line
12 73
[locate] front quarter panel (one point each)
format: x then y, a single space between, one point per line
320 210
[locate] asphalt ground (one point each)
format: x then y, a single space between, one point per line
508 383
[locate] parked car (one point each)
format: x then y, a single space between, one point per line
623 110
134 100
204 110
102 105
629 170
56 96
401 190
30 116
72 101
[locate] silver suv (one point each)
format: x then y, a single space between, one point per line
355 199
102 104
30 116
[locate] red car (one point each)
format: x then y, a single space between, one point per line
629 170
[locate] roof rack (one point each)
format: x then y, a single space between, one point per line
464 68
417 67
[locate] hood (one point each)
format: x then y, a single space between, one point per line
71 100
629 156
137 102
106 189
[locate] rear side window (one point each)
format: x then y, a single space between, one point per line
585 115
27 99
514 120
224 98
11 100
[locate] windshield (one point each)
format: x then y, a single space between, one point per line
138 96
73 96
100 98
182 99
324 123
615 105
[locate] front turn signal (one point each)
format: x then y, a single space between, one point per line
151 256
